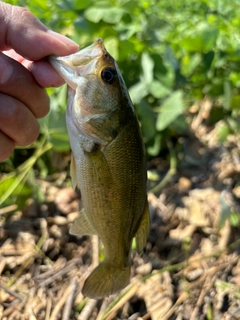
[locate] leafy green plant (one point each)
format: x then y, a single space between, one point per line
171 53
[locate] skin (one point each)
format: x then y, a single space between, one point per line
24 73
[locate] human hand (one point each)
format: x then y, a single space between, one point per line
24 42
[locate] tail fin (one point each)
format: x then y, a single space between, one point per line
105 280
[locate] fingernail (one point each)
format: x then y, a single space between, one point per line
63 39
6 70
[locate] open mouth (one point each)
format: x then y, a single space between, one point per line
79 64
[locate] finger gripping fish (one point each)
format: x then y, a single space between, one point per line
108 163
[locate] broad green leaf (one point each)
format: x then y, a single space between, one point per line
126 48
202 38
110 15
171 108
60 141
94 14
223 131
147 67
129 31
208 59
113 15
147 119
166 75
79 5
189 63
157 23
111 45
123 2
235 78
107 32
215 88
235 103
85 28
137 92
158 90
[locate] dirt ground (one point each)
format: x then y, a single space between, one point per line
190 268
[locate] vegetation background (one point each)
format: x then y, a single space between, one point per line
172 54
180 60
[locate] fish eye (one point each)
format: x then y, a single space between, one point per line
108 75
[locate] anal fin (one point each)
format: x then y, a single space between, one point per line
143 229
106 280
82 225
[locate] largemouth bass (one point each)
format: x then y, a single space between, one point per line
108 163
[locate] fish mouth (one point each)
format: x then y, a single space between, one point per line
78 64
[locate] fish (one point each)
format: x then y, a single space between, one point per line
108 164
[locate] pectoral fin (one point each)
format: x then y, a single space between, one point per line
82 226
143 229
73 172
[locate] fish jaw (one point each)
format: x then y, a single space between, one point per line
75 67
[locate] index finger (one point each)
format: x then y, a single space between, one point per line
22 31
16 81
